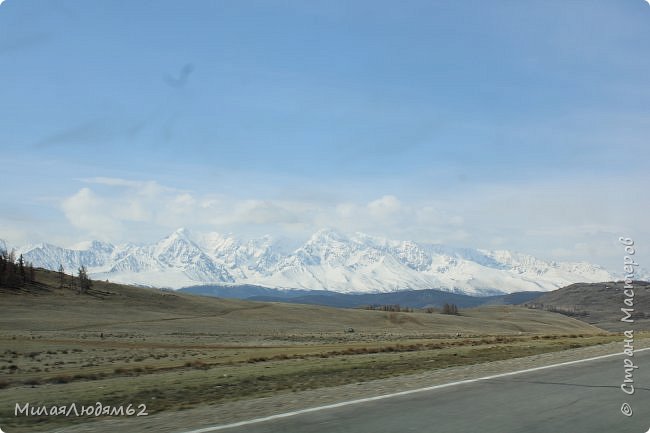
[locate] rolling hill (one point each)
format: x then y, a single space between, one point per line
598 304
108 306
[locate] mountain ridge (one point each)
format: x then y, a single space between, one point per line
328 260
423 298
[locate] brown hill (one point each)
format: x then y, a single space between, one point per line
599 304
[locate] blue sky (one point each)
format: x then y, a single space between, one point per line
505 124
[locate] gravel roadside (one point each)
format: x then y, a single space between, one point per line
225 413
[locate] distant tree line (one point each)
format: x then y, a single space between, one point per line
83 283
393 308
446 309
450 309
572 310
15 272
397 308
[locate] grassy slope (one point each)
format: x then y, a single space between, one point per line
124 344
599 304
111 307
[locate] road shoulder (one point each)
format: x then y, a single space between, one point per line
230 412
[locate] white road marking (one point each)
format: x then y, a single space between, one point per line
396 394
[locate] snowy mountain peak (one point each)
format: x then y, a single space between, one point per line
325 236
94 246
181 234
327 260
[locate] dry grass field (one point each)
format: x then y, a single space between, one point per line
119 345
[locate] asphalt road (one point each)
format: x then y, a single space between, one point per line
584 397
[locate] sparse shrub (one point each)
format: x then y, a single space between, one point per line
200 364
282 356
63 378
258 359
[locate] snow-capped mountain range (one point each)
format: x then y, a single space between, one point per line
327 261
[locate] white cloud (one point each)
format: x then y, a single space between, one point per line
108 214
267 212
88 212
385 206
553 219
346 210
